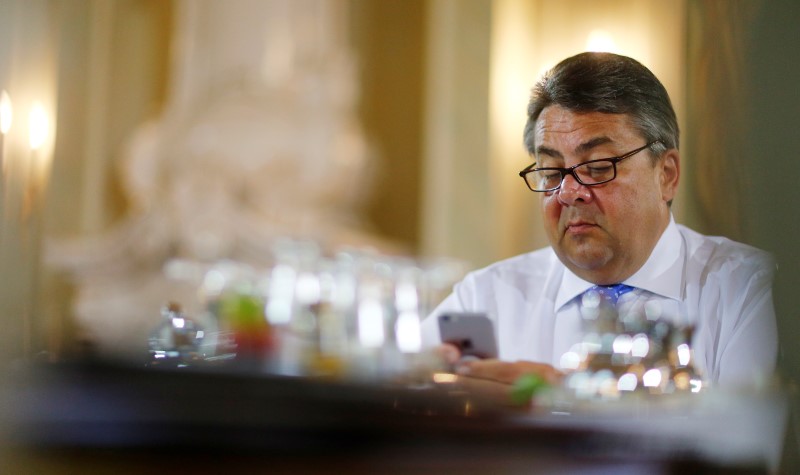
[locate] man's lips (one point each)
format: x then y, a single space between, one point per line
578 227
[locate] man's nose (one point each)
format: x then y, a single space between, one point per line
571 191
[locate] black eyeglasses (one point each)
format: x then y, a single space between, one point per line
593 172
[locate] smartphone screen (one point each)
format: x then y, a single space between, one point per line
472 333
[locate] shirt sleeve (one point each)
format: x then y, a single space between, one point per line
749 354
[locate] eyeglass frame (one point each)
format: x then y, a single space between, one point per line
571 170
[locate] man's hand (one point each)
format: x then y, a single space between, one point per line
504 372
493 378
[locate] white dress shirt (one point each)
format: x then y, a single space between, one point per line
722 287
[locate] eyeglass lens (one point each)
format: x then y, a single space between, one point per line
592 173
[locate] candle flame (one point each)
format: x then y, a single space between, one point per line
6 112
37 126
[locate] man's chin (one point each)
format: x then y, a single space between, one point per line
590 260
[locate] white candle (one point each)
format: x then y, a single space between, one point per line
31 213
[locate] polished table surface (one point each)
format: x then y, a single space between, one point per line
113 418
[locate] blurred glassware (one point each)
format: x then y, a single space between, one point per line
355 315
177 341
293 296
634 343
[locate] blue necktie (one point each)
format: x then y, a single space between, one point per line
613 292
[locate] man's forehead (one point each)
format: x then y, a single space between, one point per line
559 128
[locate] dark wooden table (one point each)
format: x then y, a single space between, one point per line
111 418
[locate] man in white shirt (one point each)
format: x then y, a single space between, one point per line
604 139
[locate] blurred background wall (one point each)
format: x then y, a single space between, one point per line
440 89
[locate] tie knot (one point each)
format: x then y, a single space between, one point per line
613 291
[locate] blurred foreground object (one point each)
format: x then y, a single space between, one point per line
353 315
177 340
636 343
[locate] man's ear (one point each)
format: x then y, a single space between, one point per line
669 167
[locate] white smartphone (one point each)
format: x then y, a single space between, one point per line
472 333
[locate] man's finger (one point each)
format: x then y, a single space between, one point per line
448 353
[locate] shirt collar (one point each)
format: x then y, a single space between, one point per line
661 274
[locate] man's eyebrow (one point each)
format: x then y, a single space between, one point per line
582 148
540 150
595 142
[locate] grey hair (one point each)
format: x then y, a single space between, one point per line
607 83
